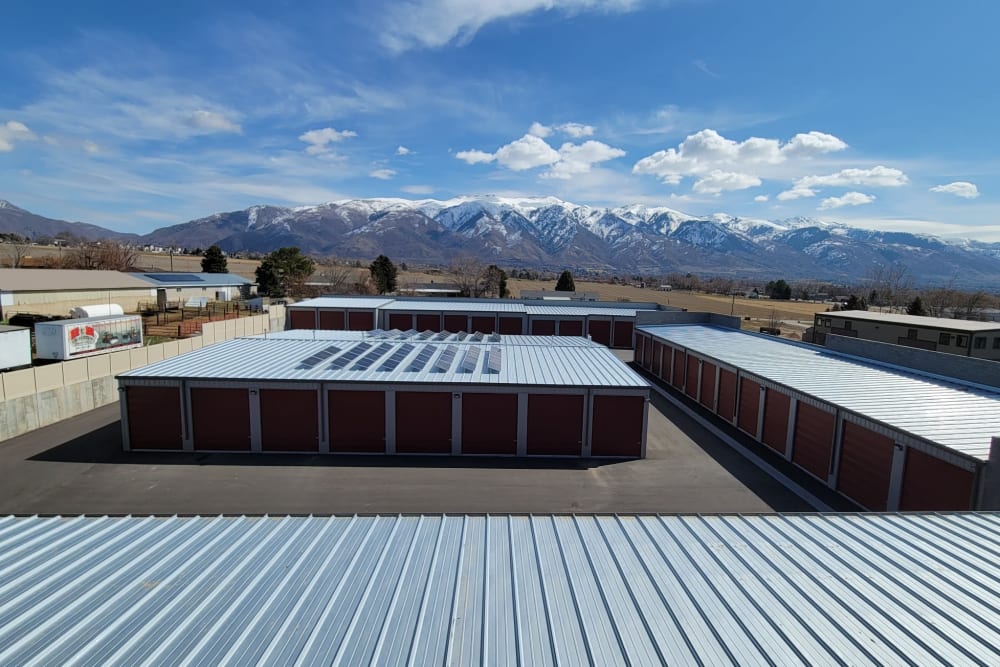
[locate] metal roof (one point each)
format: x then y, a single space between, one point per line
400 361
457 306
953 414
50 280
428 337
363 303
579 311
533 590
194 279
914 320
7 328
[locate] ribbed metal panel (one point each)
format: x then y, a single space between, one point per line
261 359
342 303
959 416
530 590
424 336
579 311
455 307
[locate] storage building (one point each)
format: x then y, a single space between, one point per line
390 392
887 437
501 590
608 323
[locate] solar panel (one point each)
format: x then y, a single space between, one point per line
493 360
494 338
397 357
417 364
318 357
442 336
443 362
476 337
175 277
350 355
424 335
470 360
365 362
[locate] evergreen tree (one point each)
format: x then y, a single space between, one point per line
213 261
283 272
916 307
383 273
779 289
854 303
565 282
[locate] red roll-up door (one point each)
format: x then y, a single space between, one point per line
691 382
640 349
302 319
489 423
511 326
727 395
289 420
813 443
360 320
428 322
617 426
707 393
331 320
570 327
356 421
456 323
543 327
775 431
865 466
220 418
600 331
555 424
623 334
154 417
401 321
423 422
647 353
749 406
932 484
665 361
678 380
486 324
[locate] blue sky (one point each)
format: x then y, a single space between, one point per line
873 113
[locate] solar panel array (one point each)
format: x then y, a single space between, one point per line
493 360
350 355
470 360
444 361
318 357
397 357
421 360
365 362
175 277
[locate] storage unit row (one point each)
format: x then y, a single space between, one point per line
877 466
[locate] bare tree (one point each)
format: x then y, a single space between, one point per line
16 248
103 256
469 274
890 286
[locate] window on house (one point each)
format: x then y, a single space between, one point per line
847 325
962 341
944 339
979 343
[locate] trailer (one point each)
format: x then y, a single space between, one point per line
15 347
88 336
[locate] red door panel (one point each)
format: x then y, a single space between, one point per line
489 423
401 321
678 380
707 394
289 420
932 484
727 395
428 322
456 323
331 320
220 418
623 334
813 443
640 350
555 424
600 331
511 326
154 417
360 320
302 319
647 352
570 327
543 327
486 324
356 421
691 382
865 466
775 431
617 426
423 422
749 406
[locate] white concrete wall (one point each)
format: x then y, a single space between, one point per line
34 397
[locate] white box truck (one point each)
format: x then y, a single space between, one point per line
15 347
85 337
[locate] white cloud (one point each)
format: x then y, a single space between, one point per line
475 156
579 158
319 140
876 177
383 174
13 131
849 199
539 130
526 153
210 122
703 66
795 193
577 130
403 150
91 147
412 24
760 198
717 181
962 189
418 189
813 143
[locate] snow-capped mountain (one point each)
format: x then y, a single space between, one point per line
546 232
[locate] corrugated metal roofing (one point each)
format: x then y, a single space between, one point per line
456 306
342 302
956 415
573 309
275 359
579 311
532 590
427 337
915 320
161 279
47 280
